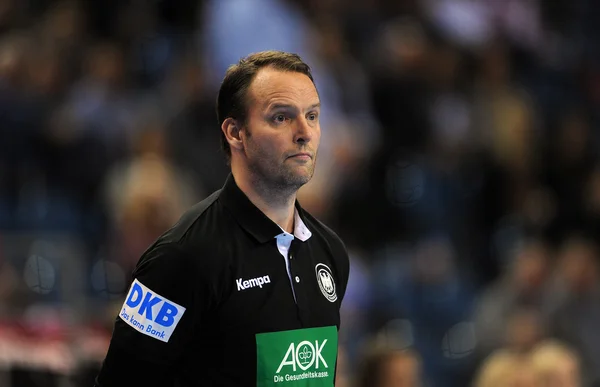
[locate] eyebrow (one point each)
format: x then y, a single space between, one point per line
288 106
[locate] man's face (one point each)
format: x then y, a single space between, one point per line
282 131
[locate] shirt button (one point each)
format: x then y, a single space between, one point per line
297 279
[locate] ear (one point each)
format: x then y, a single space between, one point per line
231 129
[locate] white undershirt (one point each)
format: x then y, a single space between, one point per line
284 241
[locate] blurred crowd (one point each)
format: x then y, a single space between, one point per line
459 163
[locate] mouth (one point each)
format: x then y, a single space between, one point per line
301 156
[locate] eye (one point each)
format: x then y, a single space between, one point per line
279 118
312 116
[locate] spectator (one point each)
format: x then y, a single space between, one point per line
146 195
577 309
556 365
522 285
388 367
506 369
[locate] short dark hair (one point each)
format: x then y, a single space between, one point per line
232 98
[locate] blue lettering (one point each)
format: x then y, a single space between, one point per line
156 333
137 324
166 316
147 305
136 290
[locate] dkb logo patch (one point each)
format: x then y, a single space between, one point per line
150 313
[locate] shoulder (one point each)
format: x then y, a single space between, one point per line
200 230
196 219
190 248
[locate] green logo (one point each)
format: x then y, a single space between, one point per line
303 357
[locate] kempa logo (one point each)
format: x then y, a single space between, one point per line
304 355
251 283
326 282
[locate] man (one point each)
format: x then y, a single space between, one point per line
245 289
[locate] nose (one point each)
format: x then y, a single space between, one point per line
304 131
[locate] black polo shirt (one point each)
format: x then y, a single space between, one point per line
213 303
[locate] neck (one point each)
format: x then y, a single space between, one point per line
277 203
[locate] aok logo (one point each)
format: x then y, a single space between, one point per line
150 313
304 355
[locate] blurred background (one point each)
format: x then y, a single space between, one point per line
459 162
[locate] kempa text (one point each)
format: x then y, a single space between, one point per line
251 283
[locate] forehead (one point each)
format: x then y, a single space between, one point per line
271 85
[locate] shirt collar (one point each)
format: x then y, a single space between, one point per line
253 220
300 230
